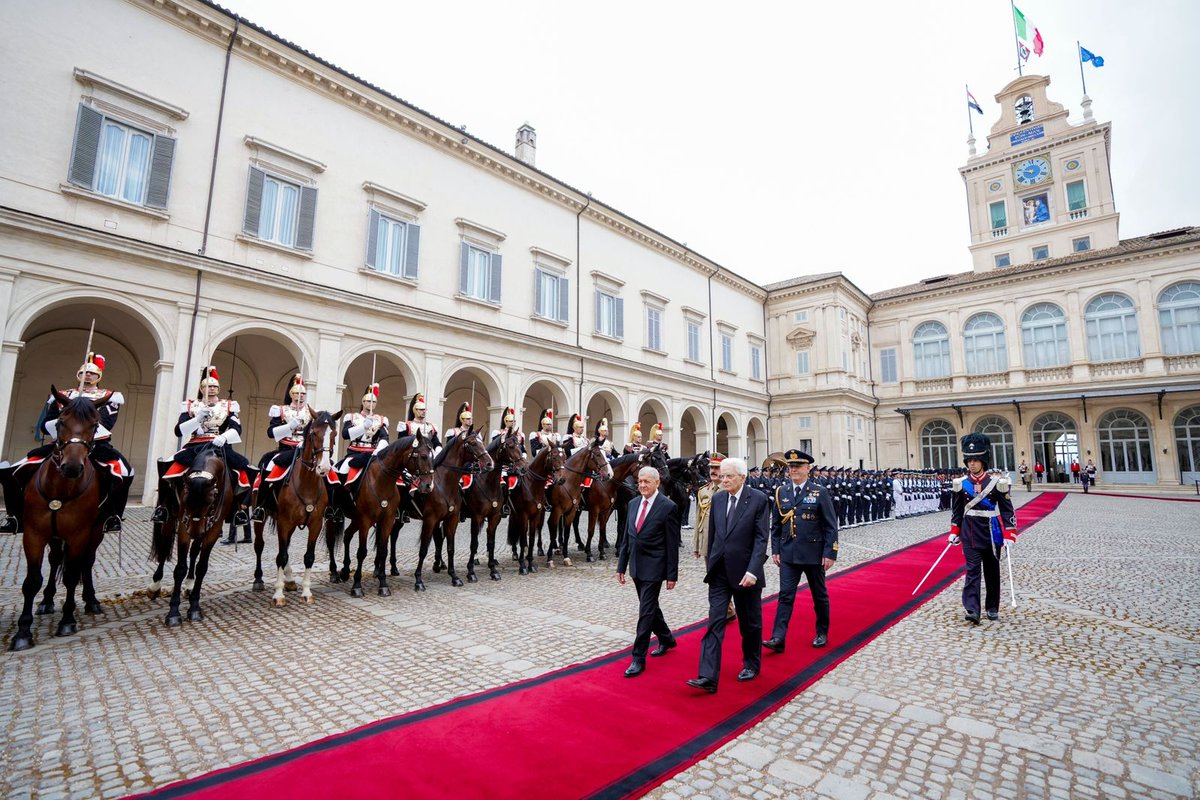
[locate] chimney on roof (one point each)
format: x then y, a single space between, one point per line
526 144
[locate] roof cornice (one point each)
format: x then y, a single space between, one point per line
1104 128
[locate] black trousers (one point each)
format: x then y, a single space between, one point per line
650 618
985 561
789 579
748 603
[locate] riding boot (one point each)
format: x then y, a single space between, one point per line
160 514
115 507
14 501
504 505
232 536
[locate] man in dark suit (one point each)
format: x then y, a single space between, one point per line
650 551
739 521
804 542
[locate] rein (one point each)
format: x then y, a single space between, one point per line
55 504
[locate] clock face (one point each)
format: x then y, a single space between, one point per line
1032 171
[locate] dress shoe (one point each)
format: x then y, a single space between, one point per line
635 669
993 615
703 683
820 640
230 539
973 617
663 647
747 675
774 645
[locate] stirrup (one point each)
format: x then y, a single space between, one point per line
9 525
159 515
112 524
239 518
259 514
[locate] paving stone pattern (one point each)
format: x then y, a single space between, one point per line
1087 689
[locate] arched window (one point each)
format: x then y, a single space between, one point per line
1000 432
1187 443
1044 336
1055 445
1179 318
1126 450
1112 328
939 448
931 350
983 340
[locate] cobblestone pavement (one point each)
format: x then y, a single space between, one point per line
1083 689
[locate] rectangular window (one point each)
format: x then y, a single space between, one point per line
999 215
860 424
654 328
800 316
693 341
1041 252
1076 196
802 362
804 423
1002 260
479 273
393 245
806 445
849 422
551 297
845 361
279 211
887 365
610 315
120 161
1081 245
841 313
726 352
755 362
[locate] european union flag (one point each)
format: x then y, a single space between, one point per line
1088 55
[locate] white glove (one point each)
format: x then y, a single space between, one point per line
356 431
382 444
953 538
296 424
219 441
203 413
280 432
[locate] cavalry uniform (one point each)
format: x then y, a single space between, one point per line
981 518
574 437
606 444
365 433
113 468
656 438
508 482
635 439
417 422
465 420
804 535
286 425
545 434
205 422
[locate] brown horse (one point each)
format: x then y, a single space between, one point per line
483 503
441 509
205 499
375 500
62 504
607 494
585 463
302 498
529 502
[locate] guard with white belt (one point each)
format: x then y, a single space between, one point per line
981 518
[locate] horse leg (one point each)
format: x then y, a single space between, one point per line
162 537
568 525
23 638
426 535
587 548
194 613
381 552
363 529
348 537
91 605
493 565
310 557
393 536
56 560
449 533
439 538
603 544
258 548
575 527
471 576
193 556
281 562
333 531
72 567
181 568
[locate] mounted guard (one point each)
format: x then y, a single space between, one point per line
545 434
575 437
113 468
465 422
416 421
602 435
287 420
635 439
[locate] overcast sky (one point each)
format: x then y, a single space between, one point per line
780 139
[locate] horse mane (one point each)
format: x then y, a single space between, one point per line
403 442
624 459
441 457
82 409
495 444
196 496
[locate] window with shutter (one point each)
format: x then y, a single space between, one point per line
494 289
610 315
391 245
564 299
479 273
254 198
86 147
412 249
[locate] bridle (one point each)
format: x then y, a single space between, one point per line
56 504
214 507
476 466
551 450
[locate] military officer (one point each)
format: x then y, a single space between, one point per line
804 542
464 421
544 435
635 439
656 438
981 519
575 437
606 444
416 421
114 469
285 425
207 421
364 431
508 424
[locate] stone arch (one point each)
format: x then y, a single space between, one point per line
303 357
756 440
604 403
693 431
35 306
393 374
541 393
651 411
729 435
456 390
401 362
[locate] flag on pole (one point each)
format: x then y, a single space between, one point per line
1026 31
1023 51
1088 55
973 103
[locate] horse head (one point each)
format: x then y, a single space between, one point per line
204 493
512 454
419 465
475 452
655 457
320 437
76 433
598 459
557 459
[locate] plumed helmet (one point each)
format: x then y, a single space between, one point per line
464 414
602 427
208 377
416 404
93 363
657 431
978 446
510 417
372 393
571 422
296 388
635 432
547 417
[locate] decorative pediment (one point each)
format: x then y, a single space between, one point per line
801 338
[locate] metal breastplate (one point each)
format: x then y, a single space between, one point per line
371 422
217 414
303 414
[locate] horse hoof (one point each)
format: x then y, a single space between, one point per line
495 576
356 591
259 586
541 552
549 564
291 586
438 567
523 571
67 629
93 608
309 599
154 594
394 572
590 559
385 591
472 578
194 615
603 557
533 567
20 643
174 620
456 581
566 562
334 578
420 587
280 602
45 608
344 575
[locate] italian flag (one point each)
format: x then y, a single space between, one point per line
1027 32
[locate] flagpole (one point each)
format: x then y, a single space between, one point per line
970 122
1016 40
1082 79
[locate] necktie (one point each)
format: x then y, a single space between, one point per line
732 506
642 515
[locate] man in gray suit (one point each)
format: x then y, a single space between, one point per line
650 551
739 523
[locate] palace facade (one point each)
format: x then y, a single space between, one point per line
212 194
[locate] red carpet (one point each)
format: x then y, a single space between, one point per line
1143 496
586 730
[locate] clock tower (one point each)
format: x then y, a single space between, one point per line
1043 188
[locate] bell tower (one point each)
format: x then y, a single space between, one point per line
1043 188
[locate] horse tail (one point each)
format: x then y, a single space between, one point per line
161 543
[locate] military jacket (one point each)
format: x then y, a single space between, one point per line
282 415
983 524
375 430
108 403
803 523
